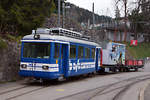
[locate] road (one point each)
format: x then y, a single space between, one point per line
121 86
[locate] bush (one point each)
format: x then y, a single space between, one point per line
3 44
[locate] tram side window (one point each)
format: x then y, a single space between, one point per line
72 51
87 53
93 53
80 52
57 46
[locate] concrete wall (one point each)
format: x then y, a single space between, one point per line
119 36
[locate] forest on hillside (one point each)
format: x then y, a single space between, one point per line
81 15
21 16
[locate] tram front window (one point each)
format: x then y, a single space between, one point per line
36 50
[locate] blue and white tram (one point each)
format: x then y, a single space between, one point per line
58 53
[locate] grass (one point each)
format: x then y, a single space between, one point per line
142 50
3 44
2 82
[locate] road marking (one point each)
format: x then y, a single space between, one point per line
60 90
142 90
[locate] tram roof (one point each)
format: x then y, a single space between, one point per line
48 37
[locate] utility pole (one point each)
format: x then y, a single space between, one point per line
93 15
58 13
125 20
63 20
117 15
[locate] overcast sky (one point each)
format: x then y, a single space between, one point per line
102 7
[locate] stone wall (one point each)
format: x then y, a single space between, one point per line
9 62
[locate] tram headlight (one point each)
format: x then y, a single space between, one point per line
36 36
23 66
45 67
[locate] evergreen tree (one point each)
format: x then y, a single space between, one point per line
21 16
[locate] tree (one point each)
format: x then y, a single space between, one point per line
21 16
138 20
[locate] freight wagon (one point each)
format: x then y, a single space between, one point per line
114 59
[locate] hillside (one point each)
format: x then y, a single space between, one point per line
78 19
139 52
81 15
97 35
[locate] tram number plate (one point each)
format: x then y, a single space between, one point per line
106 69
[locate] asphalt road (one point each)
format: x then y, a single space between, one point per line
121 86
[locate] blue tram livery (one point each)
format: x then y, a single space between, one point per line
58 53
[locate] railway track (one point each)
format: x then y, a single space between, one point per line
32 87
10 98
28 88
1 93
120 94
31 84
120 88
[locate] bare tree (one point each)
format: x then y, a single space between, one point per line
124 7
121 6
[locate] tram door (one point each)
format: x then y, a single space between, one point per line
64 58
98 58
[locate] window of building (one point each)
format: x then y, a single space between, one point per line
72 51
80 52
